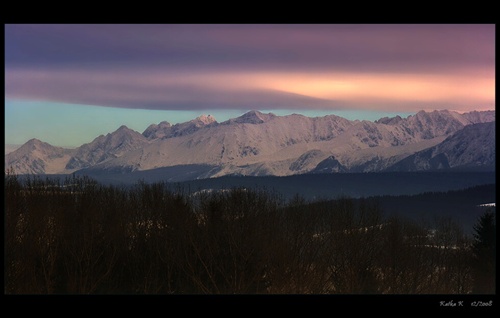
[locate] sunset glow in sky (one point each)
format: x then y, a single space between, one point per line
67 84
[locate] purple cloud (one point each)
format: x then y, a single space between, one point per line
206 66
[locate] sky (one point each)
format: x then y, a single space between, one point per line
66 84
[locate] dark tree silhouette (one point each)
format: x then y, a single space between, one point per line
484 248
80 237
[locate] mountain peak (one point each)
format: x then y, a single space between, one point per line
256 143
206 119
34 141
253 112
253 117
123 127
156 131
164 124
389 120
124 131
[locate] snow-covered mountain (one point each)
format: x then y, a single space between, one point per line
251 117
265 144
104 148
473 146
165 130
37 157
244 145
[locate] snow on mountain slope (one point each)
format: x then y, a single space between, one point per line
251 117
304 161
155 131
436 123
265 144
256 143
474 145
37 157
107 147
165 130
239 142
475 117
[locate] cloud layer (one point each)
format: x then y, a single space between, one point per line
178 67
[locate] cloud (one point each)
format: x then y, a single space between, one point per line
161 89
253 66
152 91
276 47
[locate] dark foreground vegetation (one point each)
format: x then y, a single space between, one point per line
78 236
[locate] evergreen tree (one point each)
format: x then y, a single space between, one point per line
484 249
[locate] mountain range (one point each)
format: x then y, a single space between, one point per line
258 144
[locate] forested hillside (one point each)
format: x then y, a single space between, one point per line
80 237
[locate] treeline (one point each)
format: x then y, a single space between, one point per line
78 236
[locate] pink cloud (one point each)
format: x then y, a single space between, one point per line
406 67
162 89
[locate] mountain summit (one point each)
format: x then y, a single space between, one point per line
165 130
473 146
107 147
206 119
38 157
252 117
256 143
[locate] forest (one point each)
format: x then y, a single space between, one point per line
78 236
